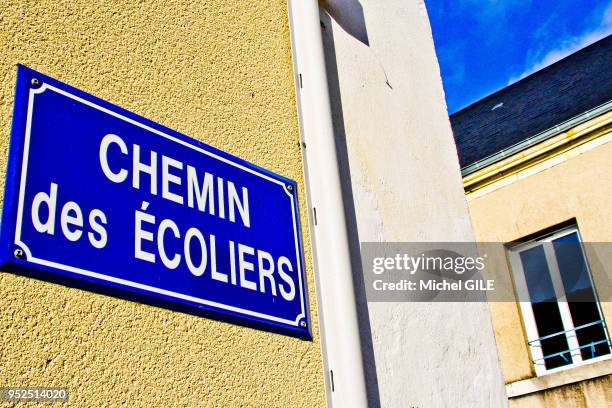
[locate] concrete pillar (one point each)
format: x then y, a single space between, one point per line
401 182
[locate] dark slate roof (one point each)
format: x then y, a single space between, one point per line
561 91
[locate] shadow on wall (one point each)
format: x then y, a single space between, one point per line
348 14
354 24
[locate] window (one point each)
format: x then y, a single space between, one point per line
563 320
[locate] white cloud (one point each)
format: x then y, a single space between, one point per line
568 46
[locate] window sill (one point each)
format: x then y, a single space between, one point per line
560 378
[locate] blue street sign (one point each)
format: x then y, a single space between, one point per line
103 199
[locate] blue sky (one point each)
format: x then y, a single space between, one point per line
485 45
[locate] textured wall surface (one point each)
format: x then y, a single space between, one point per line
593 393
396 142
218 71
569 189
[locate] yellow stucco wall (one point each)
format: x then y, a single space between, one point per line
219 71
573 187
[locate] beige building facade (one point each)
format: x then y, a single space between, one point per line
552 187
566 192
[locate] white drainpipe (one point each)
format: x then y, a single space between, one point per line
336 297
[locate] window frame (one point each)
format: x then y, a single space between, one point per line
533 338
